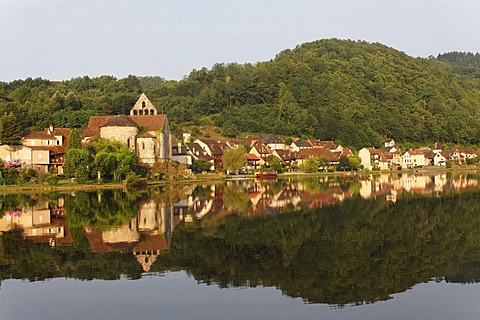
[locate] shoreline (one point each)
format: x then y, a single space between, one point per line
9 189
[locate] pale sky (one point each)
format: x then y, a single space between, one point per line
62 39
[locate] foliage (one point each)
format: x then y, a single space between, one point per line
234 159
10 129
133 180
77 164
310 165
75 139
200 165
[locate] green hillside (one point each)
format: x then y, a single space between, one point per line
354 92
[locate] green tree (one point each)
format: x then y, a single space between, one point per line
77 164
75 139
10 131
234 159
311 164
200 165
354 162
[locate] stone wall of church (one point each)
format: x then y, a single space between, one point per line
146 149
125 135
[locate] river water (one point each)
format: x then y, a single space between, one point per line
378 247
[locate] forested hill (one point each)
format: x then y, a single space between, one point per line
462 62
353 92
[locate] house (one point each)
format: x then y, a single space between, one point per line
214 149
180 152
373 158
413 159
197 152
393 158
329 144
305 154
144 131
296 146
441 159
287 157
261 150
274 142
40 150
462 154
253 162
429 157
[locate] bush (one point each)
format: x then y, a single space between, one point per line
53 179
133 180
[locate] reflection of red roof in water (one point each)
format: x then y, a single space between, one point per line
253 195
156 242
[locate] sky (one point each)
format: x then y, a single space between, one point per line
63 39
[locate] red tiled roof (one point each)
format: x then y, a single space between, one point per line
316 152
151 122
39 135
251 156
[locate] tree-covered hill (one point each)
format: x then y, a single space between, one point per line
354 92
462 62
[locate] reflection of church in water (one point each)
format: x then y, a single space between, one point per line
146 236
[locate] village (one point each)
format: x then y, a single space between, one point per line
147 133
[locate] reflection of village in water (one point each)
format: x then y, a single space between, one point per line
149 234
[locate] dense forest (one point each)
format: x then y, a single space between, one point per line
354 92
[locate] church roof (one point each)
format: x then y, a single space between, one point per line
150 122
120 121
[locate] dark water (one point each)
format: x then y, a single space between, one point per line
386 247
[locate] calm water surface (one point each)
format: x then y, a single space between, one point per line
383 247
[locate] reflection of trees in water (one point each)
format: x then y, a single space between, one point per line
235 198
361 251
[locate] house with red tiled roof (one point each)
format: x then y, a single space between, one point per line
288 158
40 150
214 149
197 152
304 154
144 131
329 144
462 154
253 161
261 150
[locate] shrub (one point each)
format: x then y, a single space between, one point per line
53 179
133 180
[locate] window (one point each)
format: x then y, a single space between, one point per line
143 145
152 112
140 112
135 112
143 104
128 143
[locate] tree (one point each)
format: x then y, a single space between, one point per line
77 164
75 140
310 165
323 162
234 159
10 131
200 165
354 162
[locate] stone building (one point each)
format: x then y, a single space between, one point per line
144 131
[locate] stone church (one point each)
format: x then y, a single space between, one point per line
144 131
